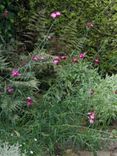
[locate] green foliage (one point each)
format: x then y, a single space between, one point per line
65 107
59 118
7 17
12 105
34 29
105 100
63 94
70 32
70 38
80 86
2 63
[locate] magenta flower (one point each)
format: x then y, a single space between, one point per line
63 57
75 59
55 14
96 61
37 58
91 117
82 55
56 60
15 73
91 121
10 89
29 101
58 13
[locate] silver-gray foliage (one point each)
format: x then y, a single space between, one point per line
10 150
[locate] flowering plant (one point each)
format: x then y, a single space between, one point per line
64 108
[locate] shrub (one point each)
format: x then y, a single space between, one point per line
65 107
78 85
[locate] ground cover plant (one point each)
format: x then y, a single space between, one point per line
55 91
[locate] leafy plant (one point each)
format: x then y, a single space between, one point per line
105 100
14 90
65 107
34 29
58 100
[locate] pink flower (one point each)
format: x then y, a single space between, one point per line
55 14
97 61
91 117
37 58
29 101
56 60
15 73
63 57
10 89
75 59
89 25
58 13
82 55
91 121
